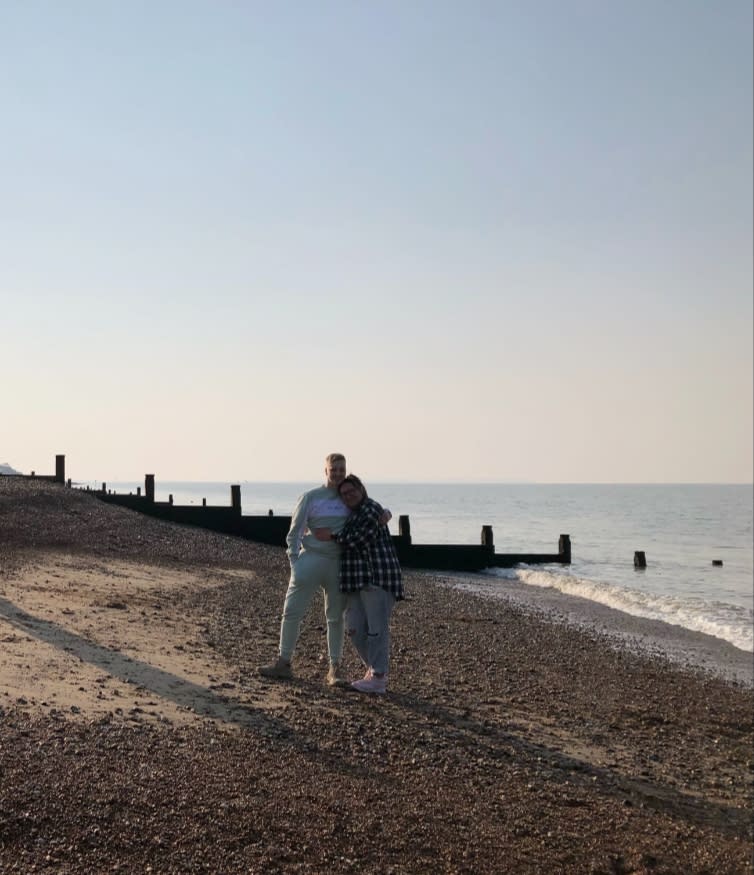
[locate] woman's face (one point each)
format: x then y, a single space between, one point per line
351 495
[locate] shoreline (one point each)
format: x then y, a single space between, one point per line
135 731
642 636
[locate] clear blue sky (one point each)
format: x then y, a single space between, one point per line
454 240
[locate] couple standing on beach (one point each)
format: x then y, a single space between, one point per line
339 542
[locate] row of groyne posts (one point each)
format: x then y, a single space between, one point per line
271 529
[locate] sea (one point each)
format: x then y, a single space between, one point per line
685 531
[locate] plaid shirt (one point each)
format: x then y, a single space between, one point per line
369 557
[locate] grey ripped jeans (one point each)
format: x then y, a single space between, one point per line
368 625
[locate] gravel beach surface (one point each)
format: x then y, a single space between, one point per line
136 735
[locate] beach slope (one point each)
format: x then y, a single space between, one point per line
135 735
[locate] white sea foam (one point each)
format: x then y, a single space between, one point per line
731 623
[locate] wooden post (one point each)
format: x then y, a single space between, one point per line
149 487
204 502
404 527
488 540
170 498
235 497
69 482
60 469
640 559
138 490
564 548
104 487
270 513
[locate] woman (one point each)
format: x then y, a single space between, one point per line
370 575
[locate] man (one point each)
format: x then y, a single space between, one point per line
314 565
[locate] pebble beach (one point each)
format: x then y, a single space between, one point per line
136 735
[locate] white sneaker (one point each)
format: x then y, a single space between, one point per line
371 684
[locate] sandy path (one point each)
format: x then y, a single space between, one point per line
91 639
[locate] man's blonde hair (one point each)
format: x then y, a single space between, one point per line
334 457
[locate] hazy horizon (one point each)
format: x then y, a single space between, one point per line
446 482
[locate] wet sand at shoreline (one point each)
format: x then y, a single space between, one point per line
135 732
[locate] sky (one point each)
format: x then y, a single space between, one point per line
456 241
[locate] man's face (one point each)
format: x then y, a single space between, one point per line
335 473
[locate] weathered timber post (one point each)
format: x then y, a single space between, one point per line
235 497
149 487
104 487
170 498
270 513
564 548
60 469
69 483
404 527
204 502
138 491
33 474
488 540
640 560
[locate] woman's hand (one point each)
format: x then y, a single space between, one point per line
385 517
322 534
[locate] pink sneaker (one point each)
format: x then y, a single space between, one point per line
371 684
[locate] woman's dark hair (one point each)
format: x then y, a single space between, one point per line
353 480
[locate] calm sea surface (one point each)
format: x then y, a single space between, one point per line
681 529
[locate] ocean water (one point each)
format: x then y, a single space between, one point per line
681 528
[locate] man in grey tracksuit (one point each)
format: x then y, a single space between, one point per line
314 565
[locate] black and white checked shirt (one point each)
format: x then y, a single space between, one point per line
369 557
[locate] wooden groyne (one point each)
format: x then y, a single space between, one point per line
271 529
57 477
469 557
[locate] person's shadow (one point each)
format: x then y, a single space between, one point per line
202 700
498 744
182 692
